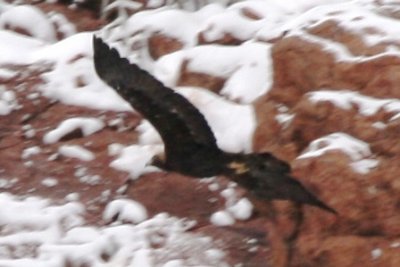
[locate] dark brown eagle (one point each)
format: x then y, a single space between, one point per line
190 145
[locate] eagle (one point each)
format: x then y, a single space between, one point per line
190 147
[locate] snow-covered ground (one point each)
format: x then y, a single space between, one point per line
36 232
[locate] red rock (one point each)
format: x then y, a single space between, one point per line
160 45
83 19
368 205
255 243
192 78
340 251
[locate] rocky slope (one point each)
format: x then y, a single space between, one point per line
329 105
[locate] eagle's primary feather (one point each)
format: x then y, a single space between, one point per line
190 145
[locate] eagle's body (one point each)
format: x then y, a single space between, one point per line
190 145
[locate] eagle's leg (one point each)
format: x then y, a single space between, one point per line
298 217
263 208
266 209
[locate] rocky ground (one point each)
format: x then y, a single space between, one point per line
367 230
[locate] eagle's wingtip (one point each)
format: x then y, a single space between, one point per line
97 43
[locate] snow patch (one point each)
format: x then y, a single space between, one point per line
222 218
284 117
6 183
73 80
6 74
125 210
8 101
179 24
77 152
30 151
246 67
376 253
28 131
29 19
363 18
367 106
136 159
49 182
62 24
235 209
241 210
358 151
87 126
37 233
16 48
364 166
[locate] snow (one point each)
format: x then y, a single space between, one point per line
8 101
49 182
179 24
36 232
7 183
364 166
284 117
235 208
30 151
376 253
357 150
344 99
74 72
136 159
23 17
242 210
62 24
222 218
85 177
233 124
115 149
361 17
7 74
87 126
16 48
125 210
354 148
246 67
76 151
230 22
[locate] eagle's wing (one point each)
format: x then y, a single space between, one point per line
182 127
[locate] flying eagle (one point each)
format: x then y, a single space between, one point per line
190 145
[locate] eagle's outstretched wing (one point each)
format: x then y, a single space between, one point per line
182 127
